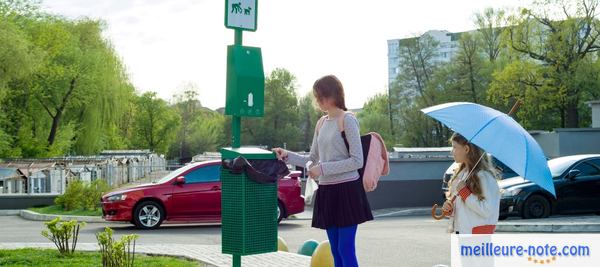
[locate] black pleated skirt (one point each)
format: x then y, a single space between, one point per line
341 205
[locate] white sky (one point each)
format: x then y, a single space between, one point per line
165 43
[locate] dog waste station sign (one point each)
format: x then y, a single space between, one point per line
249 209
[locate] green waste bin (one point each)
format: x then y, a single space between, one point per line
249 209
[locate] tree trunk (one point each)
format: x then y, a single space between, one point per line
59 112
572 115
54 129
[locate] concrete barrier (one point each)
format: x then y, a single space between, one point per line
23 201
34 216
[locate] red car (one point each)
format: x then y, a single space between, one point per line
189 194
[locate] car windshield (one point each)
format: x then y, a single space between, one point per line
559 165
175 173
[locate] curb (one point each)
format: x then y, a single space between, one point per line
34 216
548 227
406 212
9 212
378 213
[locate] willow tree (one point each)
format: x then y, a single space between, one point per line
69 92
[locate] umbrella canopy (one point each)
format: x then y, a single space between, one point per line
498 134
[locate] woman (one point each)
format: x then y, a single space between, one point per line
474 200
336 152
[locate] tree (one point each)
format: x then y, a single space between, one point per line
309 114
374 118
490 26
279 125
414 90
69 93
17 59
188 106
469 68
560 35
155 123
417 66
525 80
207 132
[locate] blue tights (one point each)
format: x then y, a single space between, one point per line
341 240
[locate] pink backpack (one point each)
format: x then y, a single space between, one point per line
376 162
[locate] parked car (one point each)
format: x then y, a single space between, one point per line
576 182
504 171
189 194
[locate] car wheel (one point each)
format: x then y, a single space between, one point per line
148 215
280 211
536 206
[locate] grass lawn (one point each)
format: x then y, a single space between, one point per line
51 258
58 210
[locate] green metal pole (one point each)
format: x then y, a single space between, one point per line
236 135
236 122
236 125
237 261
238 37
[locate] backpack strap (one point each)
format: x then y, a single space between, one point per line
340 121
320 124
341 125
342 118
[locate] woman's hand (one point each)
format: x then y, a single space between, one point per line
448 207
280 153
314 172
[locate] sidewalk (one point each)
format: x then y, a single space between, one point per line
380 213
208 254
555 224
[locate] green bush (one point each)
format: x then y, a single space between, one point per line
61 232
116 253
92 194
80 195
72 198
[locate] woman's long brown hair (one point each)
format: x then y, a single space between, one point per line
485 164
330 87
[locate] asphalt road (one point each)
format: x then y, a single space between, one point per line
396 241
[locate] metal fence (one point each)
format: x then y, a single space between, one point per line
52 175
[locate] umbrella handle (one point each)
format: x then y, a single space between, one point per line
434 215
515 107
444 214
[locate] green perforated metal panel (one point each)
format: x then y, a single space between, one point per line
249 215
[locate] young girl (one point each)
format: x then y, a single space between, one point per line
336 152
476 206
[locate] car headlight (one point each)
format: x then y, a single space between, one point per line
117 197
510 192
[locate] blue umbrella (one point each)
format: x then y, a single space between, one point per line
498 134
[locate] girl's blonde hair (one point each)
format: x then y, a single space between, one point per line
485 164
